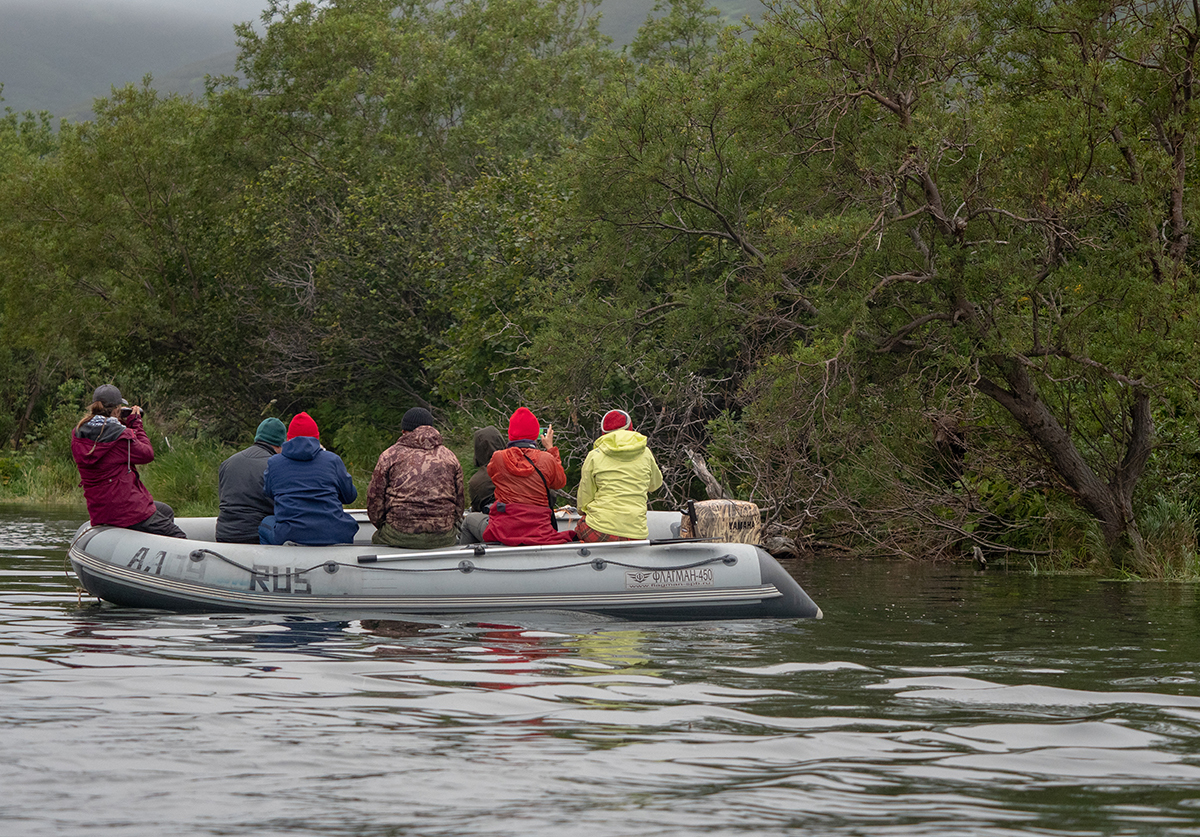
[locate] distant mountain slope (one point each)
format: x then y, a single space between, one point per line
59 55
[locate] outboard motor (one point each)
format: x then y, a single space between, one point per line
727 521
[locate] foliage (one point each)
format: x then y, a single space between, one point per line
899 180
917 277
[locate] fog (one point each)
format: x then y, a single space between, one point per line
58 55
232 10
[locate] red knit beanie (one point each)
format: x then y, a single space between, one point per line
523 425
303 425
616 420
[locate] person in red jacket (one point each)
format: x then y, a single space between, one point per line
524 475
107 444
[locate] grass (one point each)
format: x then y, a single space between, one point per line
184 471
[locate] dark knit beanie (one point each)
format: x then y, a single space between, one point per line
416 417
271 431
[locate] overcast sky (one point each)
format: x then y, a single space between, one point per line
234 9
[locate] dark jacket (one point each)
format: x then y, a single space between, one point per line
417 485
240 489
488 440
106 451
309 486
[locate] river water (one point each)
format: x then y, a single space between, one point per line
930 700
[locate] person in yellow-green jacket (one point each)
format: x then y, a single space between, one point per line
617 475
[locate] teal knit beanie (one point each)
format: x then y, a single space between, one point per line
271 431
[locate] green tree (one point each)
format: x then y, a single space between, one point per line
960 209
33 349
116 236
683 36
372 119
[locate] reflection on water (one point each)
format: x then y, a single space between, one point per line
930 700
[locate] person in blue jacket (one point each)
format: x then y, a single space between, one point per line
310 486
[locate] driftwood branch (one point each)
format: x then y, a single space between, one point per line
711 485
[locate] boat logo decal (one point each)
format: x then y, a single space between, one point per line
669 579
143 561
270 579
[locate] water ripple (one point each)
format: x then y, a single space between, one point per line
126 722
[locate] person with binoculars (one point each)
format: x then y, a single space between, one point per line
107 445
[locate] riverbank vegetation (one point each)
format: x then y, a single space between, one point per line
917 278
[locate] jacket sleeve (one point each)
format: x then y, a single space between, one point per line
656 478
556 477
587 483
347 493
377 491
140 450
458 483
268 489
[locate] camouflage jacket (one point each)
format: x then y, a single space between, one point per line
417 486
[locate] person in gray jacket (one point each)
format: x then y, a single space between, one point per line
240 485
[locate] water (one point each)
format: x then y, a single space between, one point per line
930 700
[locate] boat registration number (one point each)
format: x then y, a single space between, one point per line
669 579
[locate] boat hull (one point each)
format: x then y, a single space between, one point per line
645 580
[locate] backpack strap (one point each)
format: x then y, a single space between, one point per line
546 485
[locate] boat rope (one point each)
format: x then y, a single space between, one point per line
595 563
67 569
470 566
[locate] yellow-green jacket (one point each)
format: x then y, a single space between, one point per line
617 475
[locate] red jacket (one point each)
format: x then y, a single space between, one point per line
517 482
516 524
521 513
106 452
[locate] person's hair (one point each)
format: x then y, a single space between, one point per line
97 409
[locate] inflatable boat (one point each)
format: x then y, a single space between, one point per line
662 578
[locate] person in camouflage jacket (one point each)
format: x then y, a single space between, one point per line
415 498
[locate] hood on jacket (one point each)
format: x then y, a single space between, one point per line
517 461
101 429
302 448
488 440
425 437
95 438
621 443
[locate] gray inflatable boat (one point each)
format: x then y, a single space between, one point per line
663 578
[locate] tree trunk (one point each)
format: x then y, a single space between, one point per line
23 424
1110 503
716 491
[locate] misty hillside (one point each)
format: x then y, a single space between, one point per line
58 55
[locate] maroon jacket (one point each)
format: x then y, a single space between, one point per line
106 452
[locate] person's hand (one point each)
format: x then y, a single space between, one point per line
137 410
548 437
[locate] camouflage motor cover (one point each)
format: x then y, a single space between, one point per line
731 521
